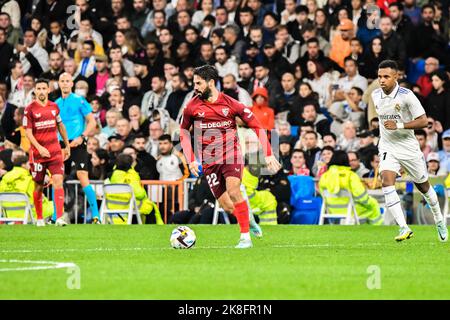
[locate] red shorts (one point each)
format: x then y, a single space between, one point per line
217 174
54 165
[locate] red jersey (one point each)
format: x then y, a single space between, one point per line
215 130
43 120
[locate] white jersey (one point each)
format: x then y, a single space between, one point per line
402 106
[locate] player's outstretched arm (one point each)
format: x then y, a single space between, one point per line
63 133
42 151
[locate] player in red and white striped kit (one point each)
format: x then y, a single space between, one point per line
213 117
42 123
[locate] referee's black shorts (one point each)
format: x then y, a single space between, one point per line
79 159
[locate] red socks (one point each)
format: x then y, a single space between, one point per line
37 198
241 213
59 202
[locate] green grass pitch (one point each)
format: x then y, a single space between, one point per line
291 262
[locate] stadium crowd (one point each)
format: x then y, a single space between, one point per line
306 68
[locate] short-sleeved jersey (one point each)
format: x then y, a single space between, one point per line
74 109
402 106
43 120
215 129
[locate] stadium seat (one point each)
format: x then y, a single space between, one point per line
120 190
294 131
16 202
306 206
351 209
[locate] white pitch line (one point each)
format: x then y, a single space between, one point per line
325 245
53 265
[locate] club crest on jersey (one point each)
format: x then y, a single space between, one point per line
38 115
225 111
54 112
397 107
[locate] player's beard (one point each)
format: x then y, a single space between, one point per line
205 95
42 98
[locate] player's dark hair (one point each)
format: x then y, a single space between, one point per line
41 80
207 73
19 160
124 162
388 64
165 137
339 158
420 132
102 154
355 153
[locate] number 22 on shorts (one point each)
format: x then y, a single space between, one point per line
212 179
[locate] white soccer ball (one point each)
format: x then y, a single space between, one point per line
182 238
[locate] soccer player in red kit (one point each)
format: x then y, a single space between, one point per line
213 116
42 123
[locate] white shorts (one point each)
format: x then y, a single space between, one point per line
415 167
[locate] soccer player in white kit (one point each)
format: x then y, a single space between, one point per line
400 113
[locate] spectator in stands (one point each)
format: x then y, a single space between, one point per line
262 111
311 114
283 128
433 165
429 38
155 98
206 54
322 164
310 32
234 45
298 163
124 128
340 44
393 44
97 81
14 81
55 66
274 60
424 81
319 80
111 120
264 79
412 11
347 140
22 98
421 136
116 56
312 151
245 74
99 165
356 164
402 25
224 64
433 130
444 154
258 11
116 145
288 14
289 99
288 46
314 53
14 34
6 52
33 57
137 121
170 163
367 147
300 23
152 146
229 82
285 149
322 24
330 140
144 157
305 95
438 100
177 95
87 64
372 58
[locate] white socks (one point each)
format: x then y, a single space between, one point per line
432 200
394 205
245 236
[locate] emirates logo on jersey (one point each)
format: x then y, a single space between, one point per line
225 111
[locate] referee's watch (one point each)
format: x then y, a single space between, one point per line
83 137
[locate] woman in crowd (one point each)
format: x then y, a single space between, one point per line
372 58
